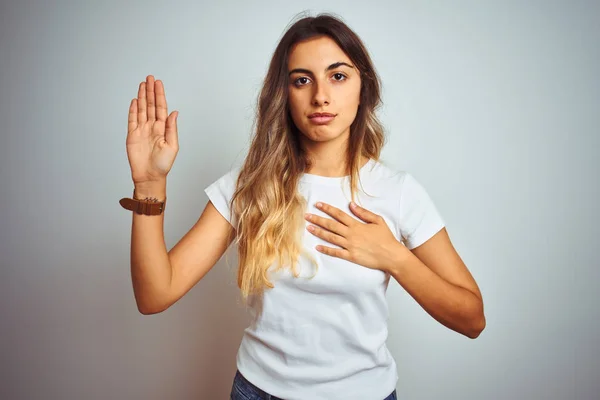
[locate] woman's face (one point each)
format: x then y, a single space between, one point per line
322 79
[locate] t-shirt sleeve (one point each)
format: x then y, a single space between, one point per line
419 217
220 192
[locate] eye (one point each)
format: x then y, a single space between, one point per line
297 81
341 77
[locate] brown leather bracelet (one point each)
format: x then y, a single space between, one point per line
143 207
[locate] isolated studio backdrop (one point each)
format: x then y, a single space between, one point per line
493 106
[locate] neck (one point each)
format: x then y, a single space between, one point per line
327 158
333 166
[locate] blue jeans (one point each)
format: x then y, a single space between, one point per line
242 389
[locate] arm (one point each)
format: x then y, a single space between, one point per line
161 278
436 277
150 266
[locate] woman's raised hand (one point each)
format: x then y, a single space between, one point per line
152 142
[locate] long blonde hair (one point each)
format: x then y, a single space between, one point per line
269 208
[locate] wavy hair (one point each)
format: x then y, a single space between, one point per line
269 208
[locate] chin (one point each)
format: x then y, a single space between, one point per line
321 135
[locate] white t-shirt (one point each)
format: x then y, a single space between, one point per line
325 338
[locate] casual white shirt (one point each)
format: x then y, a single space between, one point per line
325 338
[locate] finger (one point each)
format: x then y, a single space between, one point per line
363 213
150 97
339 253
132 117
328 236
171 135
161 101
141 103
336 213
329 224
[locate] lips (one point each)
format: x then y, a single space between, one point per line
321 118
317 115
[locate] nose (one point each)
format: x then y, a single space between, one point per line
320 96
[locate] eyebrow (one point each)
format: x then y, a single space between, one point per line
332 66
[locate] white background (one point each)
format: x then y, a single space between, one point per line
493 106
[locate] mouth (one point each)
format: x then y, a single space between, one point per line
321 118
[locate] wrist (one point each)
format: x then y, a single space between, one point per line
150 190
397 257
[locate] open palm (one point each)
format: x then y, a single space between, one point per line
152 142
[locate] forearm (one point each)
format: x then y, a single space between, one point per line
454 307
150 266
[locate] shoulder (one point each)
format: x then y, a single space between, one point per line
384 173
404 180
224 185
229 177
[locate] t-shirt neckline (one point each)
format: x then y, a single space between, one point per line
334 180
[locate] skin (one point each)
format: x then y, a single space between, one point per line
433 273
319 89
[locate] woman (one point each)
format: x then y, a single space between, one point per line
315 277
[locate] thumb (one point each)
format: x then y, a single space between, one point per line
171 130
363 213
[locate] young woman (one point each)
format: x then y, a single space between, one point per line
313 266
